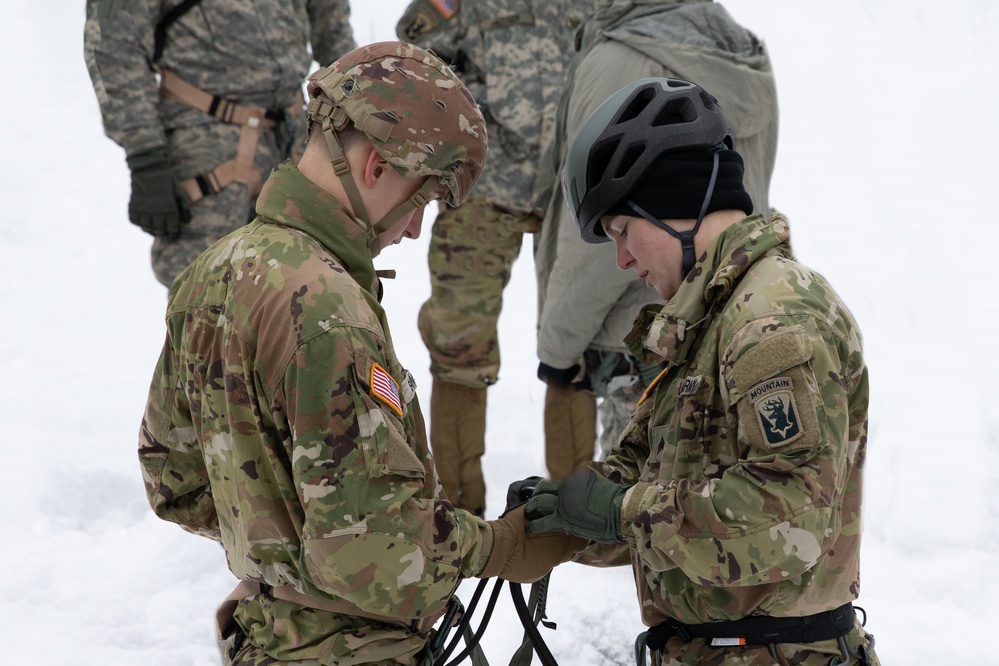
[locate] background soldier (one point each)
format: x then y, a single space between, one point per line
205 98
586 304
512 55
280 420
737 486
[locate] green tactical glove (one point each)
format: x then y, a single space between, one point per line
157 205
584 504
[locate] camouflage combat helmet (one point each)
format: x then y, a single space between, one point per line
623 139
418 115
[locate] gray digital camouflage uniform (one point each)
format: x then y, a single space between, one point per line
280 422
513 56
746 456
251 51
585 303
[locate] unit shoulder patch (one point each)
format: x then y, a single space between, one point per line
419 23
780 413
776 411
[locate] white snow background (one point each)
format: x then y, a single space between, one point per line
887 159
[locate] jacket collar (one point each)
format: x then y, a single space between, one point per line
290 199
667 332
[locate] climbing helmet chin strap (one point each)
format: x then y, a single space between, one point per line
686 238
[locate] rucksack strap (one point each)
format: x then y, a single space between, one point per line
169 19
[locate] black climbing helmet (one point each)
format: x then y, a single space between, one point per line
625 136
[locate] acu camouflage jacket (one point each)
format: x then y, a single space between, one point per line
248 51
746 457
280 422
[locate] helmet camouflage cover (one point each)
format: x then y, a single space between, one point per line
413 108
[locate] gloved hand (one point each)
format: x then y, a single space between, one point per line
519 492
524 558
157 204
572 376
584 504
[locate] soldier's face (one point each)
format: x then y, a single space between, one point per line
409 226
654 255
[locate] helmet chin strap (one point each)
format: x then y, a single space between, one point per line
342 170
686 238
420 198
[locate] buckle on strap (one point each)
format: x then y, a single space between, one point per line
758 630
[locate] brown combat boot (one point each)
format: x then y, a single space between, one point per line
570 429
458 441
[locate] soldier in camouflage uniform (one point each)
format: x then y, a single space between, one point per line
205 98
512 55
737 485
280 420
587 305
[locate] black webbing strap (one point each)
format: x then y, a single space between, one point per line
537 610
759 630
169 19
530 628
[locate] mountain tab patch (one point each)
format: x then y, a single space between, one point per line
776 411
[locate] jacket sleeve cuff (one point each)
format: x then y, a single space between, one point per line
633 504
480 556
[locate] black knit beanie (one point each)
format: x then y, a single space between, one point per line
675 185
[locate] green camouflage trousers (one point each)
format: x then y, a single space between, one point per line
196 151
249 655
472 250
350 641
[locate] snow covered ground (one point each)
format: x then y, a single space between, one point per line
887 137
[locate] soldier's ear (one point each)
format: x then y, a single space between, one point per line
374 168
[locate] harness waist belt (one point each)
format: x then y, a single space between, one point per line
251 119
760 630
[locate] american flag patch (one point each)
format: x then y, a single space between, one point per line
385 389
447 8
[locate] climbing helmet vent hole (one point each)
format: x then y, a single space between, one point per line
630 157
600 157
637 104
709 101
674 112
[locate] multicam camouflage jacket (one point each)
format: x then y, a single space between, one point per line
513 56
248 51
746 457
280 422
